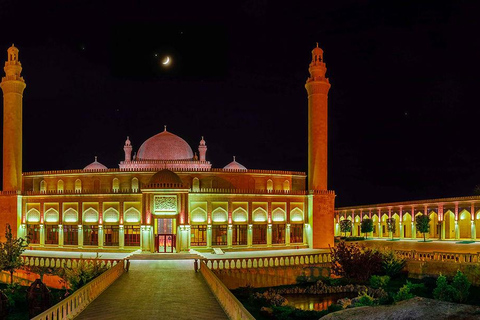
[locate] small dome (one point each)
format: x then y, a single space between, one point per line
234 165
165 146
95 165
166 177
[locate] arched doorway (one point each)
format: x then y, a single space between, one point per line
375 226
396 234
465 225
434 230
449 224
407 225
384 226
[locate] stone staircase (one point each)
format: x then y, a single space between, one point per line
164 256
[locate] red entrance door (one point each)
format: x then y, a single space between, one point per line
165 242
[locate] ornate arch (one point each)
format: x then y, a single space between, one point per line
110 215
198 215
90 215
70 215
33 215
240 215
278 214
259 214
132 215
51 215
219 215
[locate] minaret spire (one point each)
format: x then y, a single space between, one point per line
12 85
202 150
127 148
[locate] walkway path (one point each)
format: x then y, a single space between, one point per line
156 290
419 245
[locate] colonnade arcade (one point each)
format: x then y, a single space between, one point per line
457 220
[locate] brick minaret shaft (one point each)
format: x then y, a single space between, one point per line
317 88
12 85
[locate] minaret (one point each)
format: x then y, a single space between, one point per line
323 201
202 150
317 88
128 150
12 85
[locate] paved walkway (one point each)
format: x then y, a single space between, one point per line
419 245
156 290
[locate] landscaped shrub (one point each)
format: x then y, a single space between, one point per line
461 285
355 262
379 281
354 238
364 300
392 263
444 291
407 291
83 273
290 313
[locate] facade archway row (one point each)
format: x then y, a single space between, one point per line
450 219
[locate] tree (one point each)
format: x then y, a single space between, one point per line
345 226
10 252
355 262
423 225
391 226
366 226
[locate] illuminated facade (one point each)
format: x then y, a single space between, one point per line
450 218
165 198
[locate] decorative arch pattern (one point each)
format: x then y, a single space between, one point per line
286 185
296 214
60 186
196 185
278 214
132 215
70 215
198 215
51 215
110 215
219 215
115 184
259 215
269 185
240 215
78 185
33 215
90 215
134 184
43 186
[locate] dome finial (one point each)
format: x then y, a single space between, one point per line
317 44
233 158
164 127
96 159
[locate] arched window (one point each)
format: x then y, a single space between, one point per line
33 215
134 184
115 185
198 215
78 186
70 215
296 214
269 185
132 215
219 215
43 186
240 215
110 215
259 215
278 214
90 215
60 186
51 215
286 185
196 185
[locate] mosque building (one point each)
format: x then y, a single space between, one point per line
164 197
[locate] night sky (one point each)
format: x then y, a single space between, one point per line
404 102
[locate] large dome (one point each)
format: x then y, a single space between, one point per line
165 146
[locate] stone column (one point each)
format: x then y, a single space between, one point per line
80 236
100 236
400 212
209 236
287 235
457 228
60 235
229 236
250 235
121 237
42 235
473 231
269 235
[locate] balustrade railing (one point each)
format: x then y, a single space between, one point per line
230 304
456 257
68 262
264 262
80 299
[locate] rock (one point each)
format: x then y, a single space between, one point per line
344 302
413 309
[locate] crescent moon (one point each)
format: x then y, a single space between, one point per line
166 61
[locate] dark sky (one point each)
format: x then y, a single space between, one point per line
404 103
